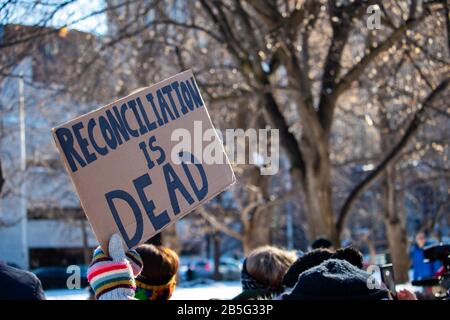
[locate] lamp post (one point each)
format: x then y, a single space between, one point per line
23 168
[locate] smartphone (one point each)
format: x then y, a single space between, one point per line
387 276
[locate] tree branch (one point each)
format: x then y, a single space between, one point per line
268 11
278 200
418 119
447 20
355 72
218 225
341 20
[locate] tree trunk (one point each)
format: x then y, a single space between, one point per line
217 255
372 250
257 223
398 247
317 191
394 220
257 231
170 238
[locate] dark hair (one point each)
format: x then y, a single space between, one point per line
305 262
349 254
321 243
155 240
160 264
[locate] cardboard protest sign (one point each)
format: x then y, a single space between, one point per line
131 163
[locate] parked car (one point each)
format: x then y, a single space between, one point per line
230 268
202 268
56 277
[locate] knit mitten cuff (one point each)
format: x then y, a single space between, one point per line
135 261
112 276
132 256
109 276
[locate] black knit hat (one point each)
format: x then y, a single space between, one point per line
321 243
307 261
335 280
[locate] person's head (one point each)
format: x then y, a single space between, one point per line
265 267
305 262
323 243
335 279
157 279
350 254
420 239
316 257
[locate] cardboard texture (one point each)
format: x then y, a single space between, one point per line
119 158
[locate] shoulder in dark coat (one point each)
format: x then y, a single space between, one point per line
16 284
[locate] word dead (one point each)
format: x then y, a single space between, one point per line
177 191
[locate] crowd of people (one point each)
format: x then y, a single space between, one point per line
150 273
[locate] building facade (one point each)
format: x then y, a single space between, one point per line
39 211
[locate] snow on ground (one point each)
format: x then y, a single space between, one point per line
204 290
207 291
67 294
193 291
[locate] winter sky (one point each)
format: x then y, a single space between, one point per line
83 15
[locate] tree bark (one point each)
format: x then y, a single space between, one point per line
256 224
372 250
394 217
257 231
317 192
395 223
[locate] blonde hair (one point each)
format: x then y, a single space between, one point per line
269 264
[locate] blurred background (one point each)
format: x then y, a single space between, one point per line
359 91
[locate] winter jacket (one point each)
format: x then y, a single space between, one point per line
255 294
421 269
16 284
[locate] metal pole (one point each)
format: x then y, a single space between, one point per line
23 168
289 228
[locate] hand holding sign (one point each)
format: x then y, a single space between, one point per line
119 158
112 276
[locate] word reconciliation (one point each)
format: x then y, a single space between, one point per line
168 103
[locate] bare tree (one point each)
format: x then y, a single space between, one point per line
298 64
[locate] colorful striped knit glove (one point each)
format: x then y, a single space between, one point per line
112 277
